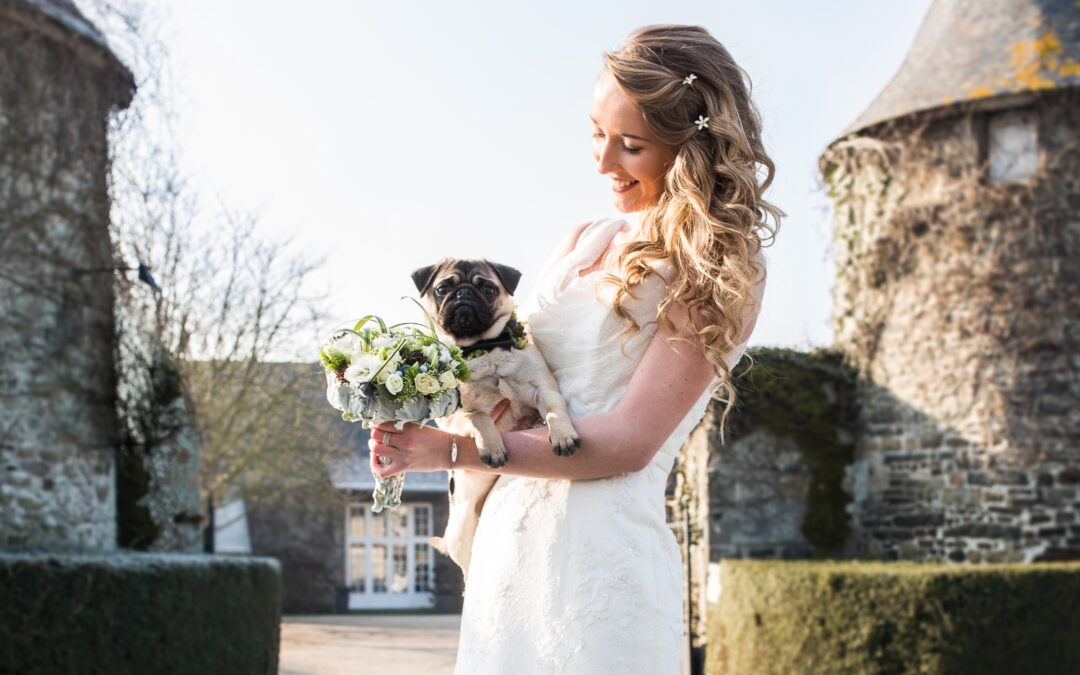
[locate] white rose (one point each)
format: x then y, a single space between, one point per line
426 384
447 380
394 383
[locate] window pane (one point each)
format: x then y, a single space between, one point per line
356 522
401 569
378 568
378 524
358 567
422 521
400 520
423 569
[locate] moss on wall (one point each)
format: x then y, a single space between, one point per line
145 430
809 398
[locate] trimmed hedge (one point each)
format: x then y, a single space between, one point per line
138 613
895 617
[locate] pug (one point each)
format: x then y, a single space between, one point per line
471 304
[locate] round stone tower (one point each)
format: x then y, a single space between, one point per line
58 429
957 295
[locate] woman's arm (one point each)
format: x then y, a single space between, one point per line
663 388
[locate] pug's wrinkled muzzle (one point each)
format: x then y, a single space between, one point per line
467 318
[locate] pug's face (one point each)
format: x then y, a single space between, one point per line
470 300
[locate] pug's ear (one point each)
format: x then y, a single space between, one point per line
424 276
508 276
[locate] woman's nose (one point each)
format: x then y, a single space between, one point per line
605 160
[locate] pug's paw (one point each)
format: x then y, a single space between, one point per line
494 459
564 445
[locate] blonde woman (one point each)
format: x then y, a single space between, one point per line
574 569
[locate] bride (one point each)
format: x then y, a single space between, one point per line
574 569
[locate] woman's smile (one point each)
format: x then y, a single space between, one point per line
623 185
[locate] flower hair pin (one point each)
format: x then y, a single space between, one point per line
689 80
702 123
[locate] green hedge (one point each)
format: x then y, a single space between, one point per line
895 617
138 613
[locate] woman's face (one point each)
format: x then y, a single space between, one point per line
625 151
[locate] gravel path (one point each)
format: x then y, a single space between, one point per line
368 644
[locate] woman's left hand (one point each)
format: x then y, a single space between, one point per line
412 448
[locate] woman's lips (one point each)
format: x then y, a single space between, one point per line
623 186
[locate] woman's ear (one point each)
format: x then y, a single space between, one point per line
508 276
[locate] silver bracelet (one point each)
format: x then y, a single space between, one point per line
453 461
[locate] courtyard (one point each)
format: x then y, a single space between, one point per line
369 644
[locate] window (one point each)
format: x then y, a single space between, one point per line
422 521
358 567
389 563
1012 146
378 568
357 521
401 569
423 568
400 519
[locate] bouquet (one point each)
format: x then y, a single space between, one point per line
401 373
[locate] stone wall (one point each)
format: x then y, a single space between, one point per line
58 424
306 534
776 487
757 487
957 298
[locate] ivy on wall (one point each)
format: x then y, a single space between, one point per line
809 398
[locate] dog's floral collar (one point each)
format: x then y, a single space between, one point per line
512 336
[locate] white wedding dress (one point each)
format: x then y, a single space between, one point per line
581 577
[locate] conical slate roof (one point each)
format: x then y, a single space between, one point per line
977 49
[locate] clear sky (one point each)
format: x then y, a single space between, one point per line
385 136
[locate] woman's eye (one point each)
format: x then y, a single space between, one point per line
632 151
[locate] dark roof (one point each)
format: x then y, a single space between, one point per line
65 14
970 50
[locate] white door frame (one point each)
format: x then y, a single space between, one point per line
384 530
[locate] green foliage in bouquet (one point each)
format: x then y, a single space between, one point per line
400 373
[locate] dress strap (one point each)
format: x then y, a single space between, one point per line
593 242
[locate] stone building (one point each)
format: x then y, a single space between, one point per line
957 202
71 598
59 82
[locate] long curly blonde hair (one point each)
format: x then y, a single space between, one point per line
708 220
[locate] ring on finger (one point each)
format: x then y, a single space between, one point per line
386 437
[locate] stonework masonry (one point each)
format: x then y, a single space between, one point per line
58 423
958 299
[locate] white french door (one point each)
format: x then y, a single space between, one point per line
388 562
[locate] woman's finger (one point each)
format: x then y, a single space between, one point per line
394 466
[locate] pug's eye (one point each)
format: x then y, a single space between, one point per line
489 290
441 290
